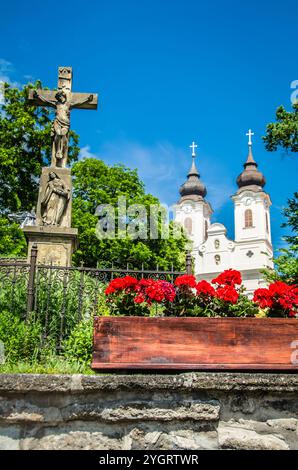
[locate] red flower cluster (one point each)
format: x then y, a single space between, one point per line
225 289
127 283
263 298
185 280
204 288
227 293
150 291
145 290
278 296
229 277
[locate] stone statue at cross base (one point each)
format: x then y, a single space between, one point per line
54 201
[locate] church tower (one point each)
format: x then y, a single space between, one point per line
252 219
192 211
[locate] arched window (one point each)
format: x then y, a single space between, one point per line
248 218
188 225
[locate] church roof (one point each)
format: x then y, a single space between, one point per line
193 188
250 178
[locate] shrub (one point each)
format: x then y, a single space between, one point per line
22 340
78 346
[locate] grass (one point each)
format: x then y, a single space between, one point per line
52 365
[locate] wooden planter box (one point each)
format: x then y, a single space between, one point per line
195 343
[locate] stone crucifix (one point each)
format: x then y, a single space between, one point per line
63 100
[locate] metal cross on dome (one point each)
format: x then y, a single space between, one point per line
250 134
193 146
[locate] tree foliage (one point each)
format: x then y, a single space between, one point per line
287 262
96 183
12 240
284 132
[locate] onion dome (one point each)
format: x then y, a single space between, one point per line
251 177
193 188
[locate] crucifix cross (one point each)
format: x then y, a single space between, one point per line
63 100
193 146
250 134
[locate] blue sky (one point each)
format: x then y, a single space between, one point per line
168 72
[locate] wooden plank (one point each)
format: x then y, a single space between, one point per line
194 343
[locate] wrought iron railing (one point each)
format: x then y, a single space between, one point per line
58 296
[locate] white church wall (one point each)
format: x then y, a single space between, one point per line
258 203
198 212
216 253
255 254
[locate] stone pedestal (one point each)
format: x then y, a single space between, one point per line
55 244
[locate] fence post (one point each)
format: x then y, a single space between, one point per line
188 263
31 281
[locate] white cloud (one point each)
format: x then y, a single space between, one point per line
5 66
85 153
163 168
6 69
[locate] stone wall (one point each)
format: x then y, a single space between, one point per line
182 411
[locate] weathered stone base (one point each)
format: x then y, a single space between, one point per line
186 411
55 245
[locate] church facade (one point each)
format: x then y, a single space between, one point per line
251 250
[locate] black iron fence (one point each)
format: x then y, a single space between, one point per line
58 296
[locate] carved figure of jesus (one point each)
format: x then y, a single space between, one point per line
61 124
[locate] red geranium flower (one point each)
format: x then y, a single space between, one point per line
227 293
229 277
263 298
160 290
130 282
139 298
204 288
126 283
116 284
278 295
150 290
185 280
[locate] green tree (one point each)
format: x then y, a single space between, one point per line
12 240
284 133
287 263
96 183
